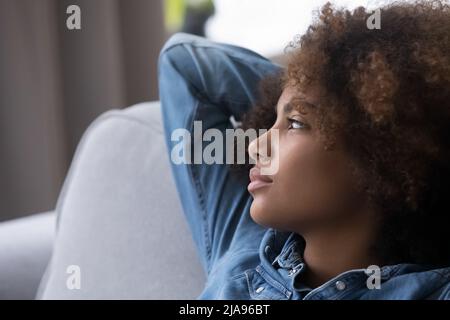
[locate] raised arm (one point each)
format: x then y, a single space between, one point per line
201 80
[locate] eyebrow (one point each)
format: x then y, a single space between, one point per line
288 107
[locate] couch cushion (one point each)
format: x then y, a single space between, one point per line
25 249
120 222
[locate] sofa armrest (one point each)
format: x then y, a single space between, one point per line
120 223
25 249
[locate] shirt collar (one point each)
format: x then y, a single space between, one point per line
284 250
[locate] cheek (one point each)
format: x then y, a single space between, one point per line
302 180
316 183
291 193
309 186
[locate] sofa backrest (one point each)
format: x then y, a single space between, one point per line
121 233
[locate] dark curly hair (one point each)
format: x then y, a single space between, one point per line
387 91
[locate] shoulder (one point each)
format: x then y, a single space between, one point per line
443 291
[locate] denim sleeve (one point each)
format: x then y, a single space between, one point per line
201 80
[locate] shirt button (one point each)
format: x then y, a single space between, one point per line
259 290
292 272
340 285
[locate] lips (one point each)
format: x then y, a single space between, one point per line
257 180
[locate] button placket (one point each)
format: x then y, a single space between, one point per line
272 288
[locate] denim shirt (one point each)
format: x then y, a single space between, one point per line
201 80
279 267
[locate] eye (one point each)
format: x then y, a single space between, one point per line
296 124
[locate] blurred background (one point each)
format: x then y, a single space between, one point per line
54 81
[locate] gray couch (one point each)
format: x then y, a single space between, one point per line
117 231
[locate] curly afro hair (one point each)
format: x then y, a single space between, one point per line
387 91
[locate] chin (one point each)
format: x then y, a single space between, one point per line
262 214
267 214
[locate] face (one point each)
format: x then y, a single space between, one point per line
312 186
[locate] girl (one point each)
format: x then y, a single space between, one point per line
358 124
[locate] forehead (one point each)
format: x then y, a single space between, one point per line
286 97
288 93
290 98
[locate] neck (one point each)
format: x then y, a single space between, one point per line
333 250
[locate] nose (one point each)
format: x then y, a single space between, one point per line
260 148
